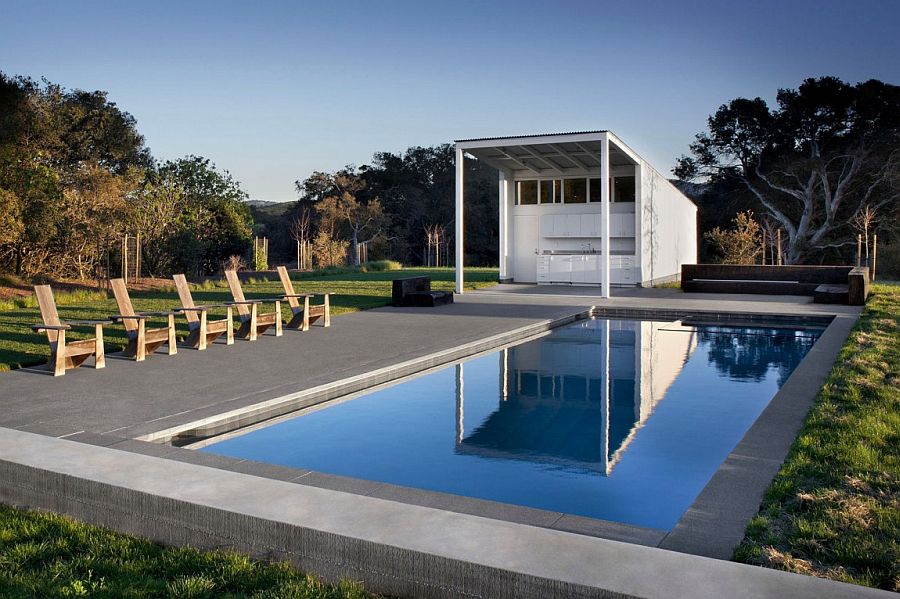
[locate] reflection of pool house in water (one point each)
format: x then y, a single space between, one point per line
580 209
578 398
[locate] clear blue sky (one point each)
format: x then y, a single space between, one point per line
274 90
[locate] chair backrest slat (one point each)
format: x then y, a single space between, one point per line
288 287
48 310
187 300
237 292
123 301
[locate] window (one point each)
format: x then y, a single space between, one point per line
595 190
527 193
549 192
575 191
623 189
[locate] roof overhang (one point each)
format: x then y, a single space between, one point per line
549 155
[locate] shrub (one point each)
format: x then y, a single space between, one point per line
234 263
739 245
382 266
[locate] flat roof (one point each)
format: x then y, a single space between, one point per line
574 153
530 135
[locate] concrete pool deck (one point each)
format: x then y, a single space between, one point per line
107 410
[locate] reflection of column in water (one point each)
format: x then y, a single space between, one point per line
504 374
460 405
604 393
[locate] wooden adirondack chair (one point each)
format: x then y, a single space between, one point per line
305 314
141 340
202 330
73 354
253 323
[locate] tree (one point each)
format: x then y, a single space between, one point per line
215 221
65 159
811 163
300 230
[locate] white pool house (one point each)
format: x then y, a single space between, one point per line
580 209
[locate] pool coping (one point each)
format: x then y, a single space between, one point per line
712 526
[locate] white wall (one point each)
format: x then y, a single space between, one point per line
668 236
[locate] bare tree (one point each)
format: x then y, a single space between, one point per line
864 221
300 231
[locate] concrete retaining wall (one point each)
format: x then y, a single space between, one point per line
397 549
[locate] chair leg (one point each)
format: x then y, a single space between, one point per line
59 357
99 350
253 334
278 326
201 342
327 319
229 332
306 313
173 347
140 350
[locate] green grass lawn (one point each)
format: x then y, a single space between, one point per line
46 556
834 508
354 290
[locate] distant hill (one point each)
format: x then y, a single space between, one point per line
258 207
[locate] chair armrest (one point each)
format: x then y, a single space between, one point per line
163 313
198 308
287 295
247 302
118 317
88 322
50 327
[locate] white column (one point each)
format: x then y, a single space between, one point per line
503 194
460 242
460 404
604 393
604 215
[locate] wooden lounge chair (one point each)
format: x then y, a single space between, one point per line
253 323
305 314
73 354
141 340
202 330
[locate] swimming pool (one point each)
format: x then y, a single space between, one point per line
621 420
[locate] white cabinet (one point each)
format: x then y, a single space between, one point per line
547 225
579 269
589 225
621 270
543 269
573 225
592 269
570 225
621 225
561 269
560 225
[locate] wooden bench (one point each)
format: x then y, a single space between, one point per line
416 291
759 279
827 284
832 294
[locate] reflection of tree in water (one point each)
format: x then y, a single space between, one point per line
743 354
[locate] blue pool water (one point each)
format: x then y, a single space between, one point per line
621 420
